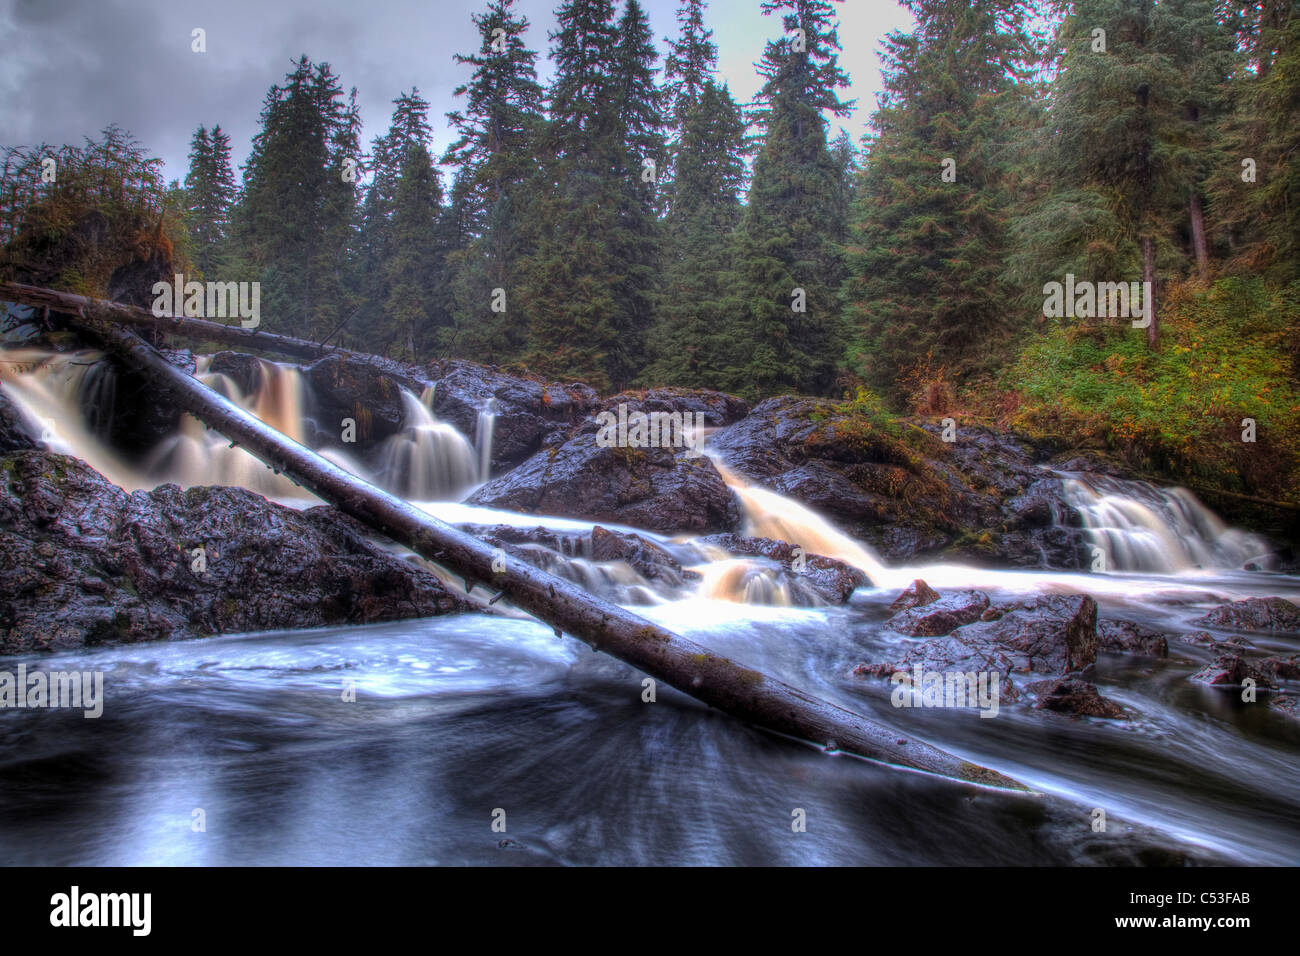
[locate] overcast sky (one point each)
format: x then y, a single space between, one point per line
71 67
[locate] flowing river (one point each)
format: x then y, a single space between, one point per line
458 718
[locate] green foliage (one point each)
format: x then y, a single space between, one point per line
1226 358
106 206
292 229
209 194
930 235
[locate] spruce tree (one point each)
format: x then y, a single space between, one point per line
785 332
292 225
689 337
497 169
586 283
925 297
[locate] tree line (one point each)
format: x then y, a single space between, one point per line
630 223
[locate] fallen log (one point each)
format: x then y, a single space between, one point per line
201 330
717 681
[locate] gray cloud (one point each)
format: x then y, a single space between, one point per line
71 67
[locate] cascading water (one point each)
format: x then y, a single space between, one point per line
771 515
428 459
197 455
566 734
1140 527
52 391
483 438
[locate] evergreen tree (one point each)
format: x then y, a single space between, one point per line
1130 145
291 228
209 194
1257 203
414 265
691 62
497 163
587 284
689 337
393 177
783 292
925 296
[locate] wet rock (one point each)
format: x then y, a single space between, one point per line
14 432
1283 668
1053 636
659 489
1231 670
832 579
244 369
916 594
1198 639
942 616
1070 695
368 392
1254 614
1127 637
902 489
531 414
83 563
715 408
648 559
1285 704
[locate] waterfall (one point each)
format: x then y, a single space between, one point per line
1140 527
197 455
52 391
483 438
428 459
772 515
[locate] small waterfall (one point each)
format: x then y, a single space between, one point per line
772 515
483 438
745 581
53 391
196 455
428 459
1140 527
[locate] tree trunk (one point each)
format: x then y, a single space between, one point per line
198 329
1196 217
745 694
1149 277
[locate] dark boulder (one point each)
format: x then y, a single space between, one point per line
368 392
1070 695
1051 636
1254 614
648 559
82 562
659 489
530 414
15 434
1232 670
1127 637
904 490
942 616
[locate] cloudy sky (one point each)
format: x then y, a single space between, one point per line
70 67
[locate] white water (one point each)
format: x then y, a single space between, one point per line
1140 527
543 725
428 458
487 419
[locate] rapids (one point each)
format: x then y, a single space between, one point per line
455 717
